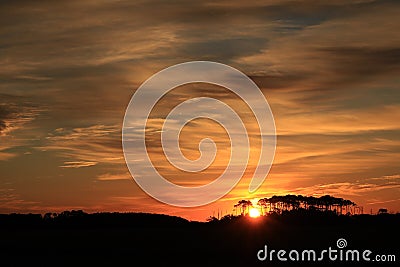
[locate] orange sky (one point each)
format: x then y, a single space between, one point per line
328 70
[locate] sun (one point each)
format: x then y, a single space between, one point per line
254 213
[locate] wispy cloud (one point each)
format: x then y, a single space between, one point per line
85 147
11 201
348 189
114 176
16 114
78 164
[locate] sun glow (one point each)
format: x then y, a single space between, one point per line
254 213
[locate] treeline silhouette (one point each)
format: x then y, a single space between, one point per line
295 207
76 238
79 218
279 204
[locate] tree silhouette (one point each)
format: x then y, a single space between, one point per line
279 204
244 206
382 211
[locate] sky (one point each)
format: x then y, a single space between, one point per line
69 68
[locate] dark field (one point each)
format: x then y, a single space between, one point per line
138 239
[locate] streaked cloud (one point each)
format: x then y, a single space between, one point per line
16 115
114 176
78 164
85 147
